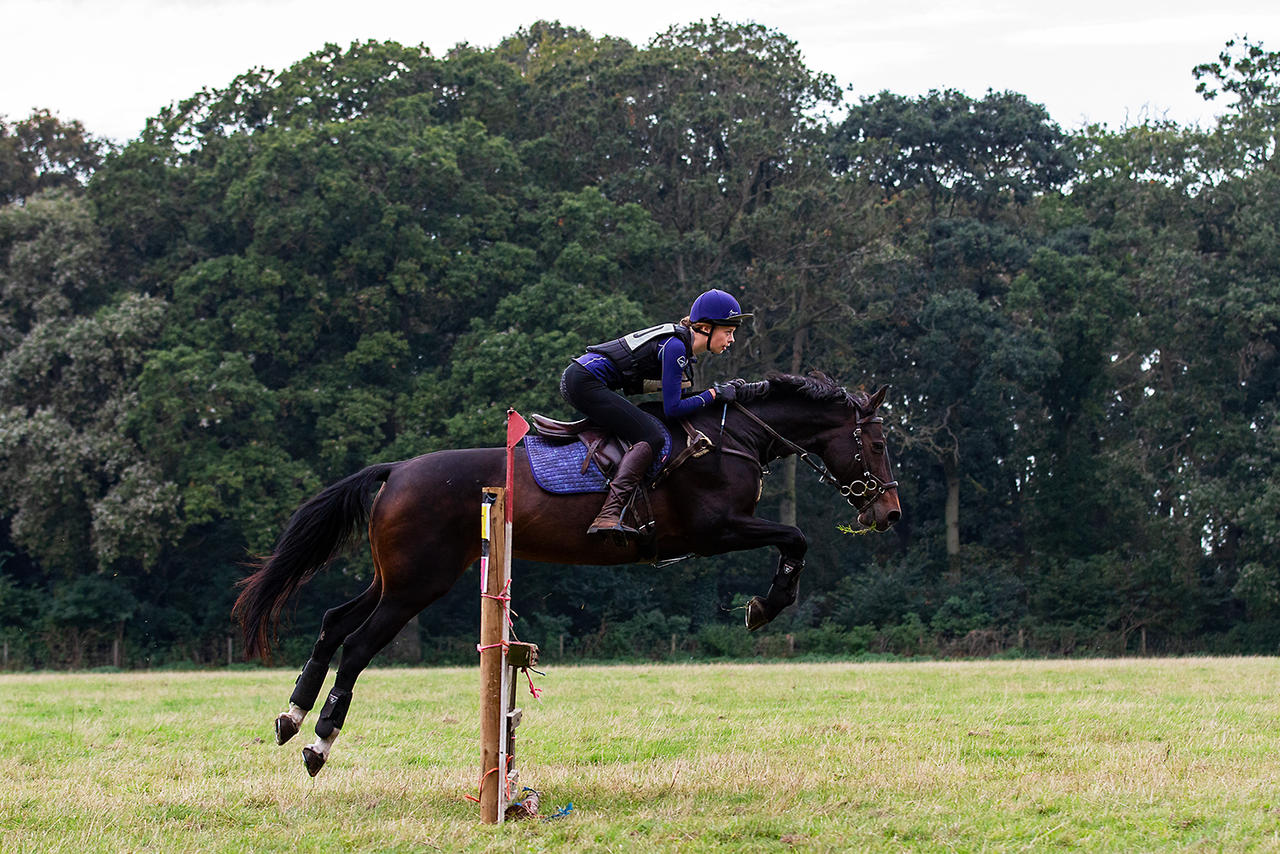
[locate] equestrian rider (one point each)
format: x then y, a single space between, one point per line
664 353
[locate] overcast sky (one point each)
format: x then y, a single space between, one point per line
113 64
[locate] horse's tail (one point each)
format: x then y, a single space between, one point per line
319 530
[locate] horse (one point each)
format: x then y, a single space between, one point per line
423 527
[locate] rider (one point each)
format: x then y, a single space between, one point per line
663 353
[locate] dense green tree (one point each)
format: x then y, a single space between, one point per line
592 252
42 152
1184 219
964 153
698 128
53 263
79 492
1075 502
959 174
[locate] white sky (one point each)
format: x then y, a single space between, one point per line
113 64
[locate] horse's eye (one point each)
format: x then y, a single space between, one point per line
878 447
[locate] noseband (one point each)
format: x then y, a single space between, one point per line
861 492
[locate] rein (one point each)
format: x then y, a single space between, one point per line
868 487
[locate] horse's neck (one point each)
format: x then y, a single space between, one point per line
796 420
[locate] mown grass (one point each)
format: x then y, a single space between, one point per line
999 756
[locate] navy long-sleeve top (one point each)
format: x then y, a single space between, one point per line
674 359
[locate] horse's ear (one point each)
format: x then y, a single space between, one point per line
877 398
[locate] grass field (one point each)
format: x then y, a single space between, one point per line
1129 755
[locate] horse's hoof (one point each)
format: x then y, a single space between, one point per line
756 616
285 729
313 760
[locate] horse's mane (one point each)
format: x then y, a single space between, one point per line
817 386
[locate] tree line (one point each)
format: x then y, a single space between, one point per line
371 254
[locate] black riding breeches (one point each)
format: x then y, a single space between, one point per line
584 392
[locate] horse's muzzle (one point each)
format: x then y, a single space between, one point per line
879 519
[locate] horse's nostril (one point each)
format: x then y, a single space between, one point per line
893 516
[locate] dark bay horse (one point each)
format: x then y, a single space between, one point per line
424 527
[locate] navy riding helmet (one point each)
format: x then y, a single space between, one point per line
717 308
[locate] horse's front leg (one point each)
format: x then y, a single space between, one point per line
782 593
750 533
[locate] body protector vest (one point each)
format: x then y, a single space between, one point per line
636 356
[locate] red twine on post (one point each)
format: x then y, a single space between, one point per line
485 775
503 596
534 690
480 788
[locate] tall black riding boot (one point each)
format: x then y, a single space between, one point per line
631 470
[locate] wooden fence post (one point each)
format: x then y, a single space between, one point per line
494 635
498 657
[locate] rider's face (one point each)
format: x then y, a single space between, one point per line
721 339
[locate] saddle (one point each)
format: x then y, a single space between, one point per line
594 455
606 450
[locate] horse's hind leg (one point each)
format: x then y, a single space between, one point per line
338 623
407 588
387 619
417 564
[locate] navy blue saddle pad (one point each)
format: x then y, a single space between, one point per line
557 465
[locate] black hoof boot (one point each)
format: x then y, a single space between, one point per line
285 729
782 594
313 760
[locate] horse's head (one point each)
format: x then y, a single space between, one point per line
849 437
874 491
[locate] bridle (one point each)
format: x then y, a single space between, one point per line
865 489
